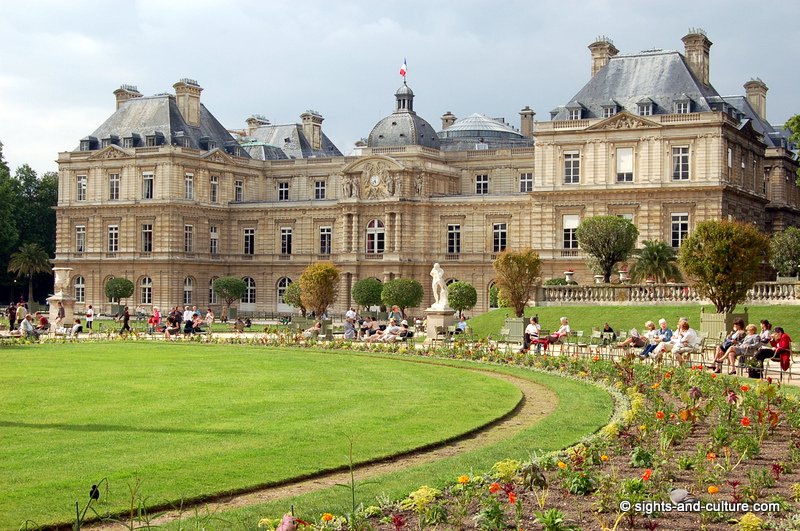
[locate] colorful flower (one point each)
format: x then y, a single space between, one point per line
494 487
745 388
463 479
604 458
562 465
596 358
327 517
745 421
512 498
643 427
713 489
655 386
647 474
711 456
660 415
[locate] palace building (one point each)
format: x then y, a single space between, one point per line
166 196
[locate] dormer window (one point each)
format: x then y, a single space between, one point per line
574 110
610 109
155 139
89 143
131 141
645 109
574 114
682 105
110 140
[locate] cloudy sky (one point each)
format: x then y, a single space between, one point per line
60 61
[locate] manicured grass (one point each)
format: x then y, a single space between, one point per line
192 420
560 429
627 317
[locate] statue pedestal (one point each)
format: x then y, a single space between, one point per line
438 317
69 310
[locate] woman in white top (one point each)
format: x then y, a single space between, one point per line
89 317
561 333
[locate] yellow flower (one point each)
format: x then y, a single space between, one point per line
562 465
463 479
327 517
604 458
655 386
713 489
643 427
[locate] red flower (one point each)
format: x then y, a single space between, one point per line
745 388
647 474
745 421
713 375
660 415
512 498
494 487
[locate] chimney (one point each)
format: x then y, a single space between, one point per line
312 128
697 46
125 93
602 51
448 119
757 96
187 94
526 122
254 122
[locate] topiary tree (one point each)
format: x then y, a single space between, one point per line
292 297
462 296
229 289
118 288
607 240
319 284
724 258
403 292
655 260
367 292
785 250
517 274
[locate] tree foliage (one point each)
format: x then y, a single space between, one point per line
607 240
28 261
229 289
785 251
292 297
724 258
367 292
793 124
403 292
319 284
517 274
118 288
655 260
462 296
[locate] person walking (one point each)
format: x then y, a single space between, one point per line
11 313
126 318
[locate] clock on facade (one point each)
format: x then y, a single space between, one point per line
375 180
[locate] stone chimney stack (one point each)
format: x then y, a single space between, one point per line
448 119
125 93
526 122
697 46
254 122
312 128
187 94
757 96
602 51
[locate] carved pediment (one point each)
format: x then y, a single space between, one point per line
217 155
110 152
624 120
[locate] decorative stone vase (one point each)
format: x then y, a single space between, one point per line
623 275
598 279
650 282
568 275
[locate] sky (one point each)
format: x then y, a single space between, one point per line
61 61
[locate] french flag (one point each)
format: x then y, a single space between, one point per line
404 68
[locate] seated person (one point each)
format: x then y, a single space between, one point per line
247 322
314 331
349 328
76 329
608 330
688 341
659 335
387 334
559 334
404 330
173 327
782 345
734 338
747 348
461 327
636 339
43 324
197 324
531 335
238 325
26 327
188 327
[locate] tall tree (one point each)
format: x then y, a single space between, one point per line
607 240
785 250
402 292
229 289
724 258
517 274
318 287
655 260
28 261
462 296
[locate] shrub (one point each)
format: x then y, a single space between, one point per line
367 292
318 286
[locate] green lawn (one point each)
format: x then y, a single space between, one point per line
192 420
627 317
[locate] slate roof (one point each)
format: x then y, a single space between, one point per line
403 127
478 131
274 142
662 76
773 137
159 114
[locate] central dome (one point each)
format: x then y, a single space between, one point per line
403 127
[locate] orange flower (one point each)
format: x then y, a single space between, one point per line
562 465
512 498
684 414
745 421
655 386
713 375
647 474
660 415
745 388
713 489
711 456
596 358
494 487
604 458
463 479
327 517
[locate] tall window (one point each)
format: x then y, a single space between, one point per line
213 242
249 241
113 186
375 237
283 283
319 190
212 295
147 238
730 157
454 239
499 237
188 186
481 184
148 186
188 238
113 238
286 240
214 192
238 191
250 292
325 236
570 224
283 191
188 290
572 167
526 182
624 165
80 289
680 228
80 238
146 290
80 192
680 163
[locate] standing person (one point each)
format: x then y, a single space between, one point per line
209 319
126 319
61 315
89 317
188 314
11 313
22 311
223 314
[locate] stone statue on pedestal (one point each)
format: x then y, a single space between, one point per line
440 300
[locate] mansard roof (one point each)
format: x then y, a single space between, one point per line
478 131
288 141
663 77
773 137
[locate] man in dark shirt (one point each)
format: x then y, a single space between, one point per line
126 317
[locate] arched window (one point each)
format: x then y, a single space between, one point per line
80 289
375 237
146 290
281 286
188 289
492 292
250 293
451 281
212 296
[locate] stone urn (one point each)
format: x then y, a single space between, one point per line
568 276
598 279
